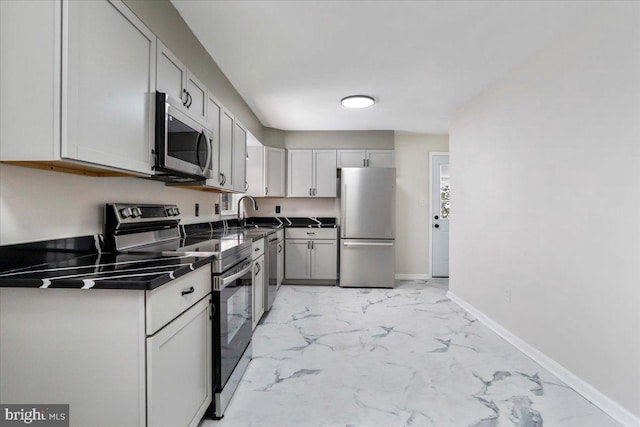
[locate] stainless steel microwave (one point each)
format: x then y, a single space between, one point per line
183 145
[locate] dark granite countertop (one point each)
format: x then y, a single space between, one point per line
76 263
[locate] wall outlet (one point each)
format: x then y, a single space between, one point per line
277 208
216 208
197 209
507 294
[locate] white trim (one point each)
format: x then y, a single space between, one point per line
418 276
612 408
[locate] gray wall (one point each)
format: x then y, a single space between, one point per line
381 139
165 21
545 190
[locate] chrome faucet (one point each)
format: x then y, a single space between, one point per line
255 207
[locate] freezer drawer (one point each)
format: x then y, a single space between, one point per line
367 263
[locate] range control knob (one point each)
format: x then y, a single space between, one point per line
137 211
125 213
169 211
176 211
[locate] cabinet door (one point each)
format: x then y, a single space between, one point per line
108 84
226 149
324 259
179 369
380 159
300 176
239 169
258 290
324 167
213 122
171 74
197 93
274 171
30 66
351 158
297 259
255 176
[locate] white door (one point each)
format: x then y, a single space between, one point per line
324 259
258 290
351 158
380 159
226 149
239 177
440 210
197 93
274 171
297 259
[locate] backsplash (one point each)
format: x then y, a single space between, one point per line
43 205
319 207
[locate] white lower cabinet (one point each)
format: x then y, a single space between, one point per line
118 357
179 369
258 284
258 290
311 254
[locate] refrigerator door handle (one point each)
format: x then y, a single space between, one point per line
343 213
367 243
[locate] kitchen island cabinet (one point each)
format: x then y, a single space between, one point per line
77 87
118 357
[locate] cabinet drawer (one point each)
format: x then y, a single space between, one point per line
311 233
167 302
258 249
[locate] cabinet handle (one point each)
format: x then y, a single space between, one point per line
256 249
312 244
311 233
246 186
367 162
186 97
364 163
266 190
308 244
189 100
212 309
279 248
189 291
257 269
310 191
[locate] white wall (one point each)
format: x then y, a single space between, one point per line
319 207
42 205
546 193
412 200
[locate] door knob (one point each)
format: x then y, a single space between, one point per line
437 226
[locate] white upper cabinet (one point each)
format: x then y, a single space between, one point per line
312 173
84 92
265 169
226 150
197 97
351 158
239 180
171 74
365 158
174 79
214 109
274 171
255 167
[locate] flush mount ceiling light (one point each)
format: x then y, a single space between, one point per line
357 101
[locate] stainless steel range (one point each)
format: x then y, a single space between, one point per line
154 229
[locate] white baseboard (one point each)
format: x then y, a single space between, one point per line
403 276
615 410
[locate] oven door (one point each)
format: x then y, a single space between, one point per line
232 322
182 144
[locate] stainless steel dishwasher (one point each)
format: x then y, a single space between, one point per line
271 261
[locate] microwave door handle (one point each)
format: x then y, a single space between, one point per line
209 153
200 135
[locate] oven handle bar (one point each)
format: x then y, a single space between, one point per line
230 279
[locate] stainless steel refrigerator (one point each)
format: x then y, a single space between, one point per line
367 227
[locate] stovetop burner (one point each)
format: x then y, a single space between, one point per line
153 229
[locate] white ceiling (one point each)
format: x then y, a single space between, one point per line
292 61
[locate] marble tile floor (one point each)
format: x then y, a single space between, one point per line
327 356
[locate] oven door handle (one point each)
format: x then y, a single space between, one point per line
227 280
